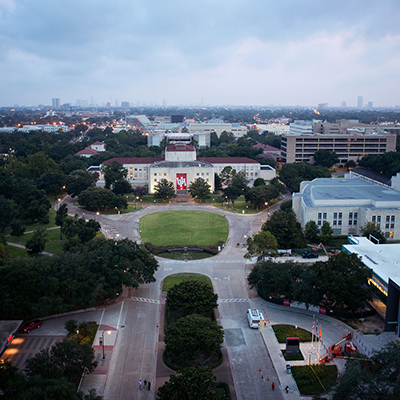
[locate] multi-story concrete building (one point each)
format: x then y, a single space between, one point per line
348 204
350 140
218 127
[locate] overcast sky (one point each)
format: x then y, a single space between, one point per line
221 52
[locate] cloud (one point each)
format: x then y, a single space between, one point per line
291 52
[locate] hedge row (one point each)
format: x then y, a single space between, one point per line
164 249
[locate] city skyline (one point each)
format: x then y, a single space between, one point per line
200 53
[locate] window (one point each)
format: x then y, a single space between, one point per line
355 218
387 221
335 219
340 219
321 218
392 222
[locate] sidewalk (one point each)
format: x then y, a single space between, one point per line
332 331
98 378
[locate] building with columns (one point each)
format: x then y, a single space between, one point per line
181 166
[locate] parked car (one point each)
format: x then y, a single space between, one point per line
310 255
31 325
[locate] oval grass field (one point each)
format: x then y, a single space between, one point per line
183 227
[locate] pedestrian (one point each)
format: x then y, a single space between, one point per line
140 384
145 384
148 385
287 389
273 385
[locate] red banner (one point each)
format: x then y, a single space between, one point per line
322 310
181 183
286 302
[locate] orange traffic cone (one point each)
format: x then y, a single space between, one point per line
268 379
260 369
262 376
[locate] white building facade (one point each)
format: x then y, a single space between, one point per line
348 204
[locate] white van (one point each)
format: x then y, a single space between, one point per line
254 316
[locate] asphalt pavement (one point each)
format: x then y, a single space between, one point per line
133 349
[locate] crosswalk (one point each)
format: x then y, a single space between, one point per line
206 260
142 299
155 301
232 301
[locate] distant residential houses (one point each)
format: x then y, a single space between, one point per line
92 149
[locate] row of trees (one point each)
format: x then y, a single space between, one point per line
83 277
341 282
191 339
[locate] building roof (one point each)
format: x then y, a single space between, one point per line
87 150
376 176
182 164
180 147
266 147
98 143
356 192
228 160
134 160
383 259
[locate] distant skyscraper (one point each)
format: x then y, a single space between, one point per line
370 104
344 104
360 102
56 103
125 104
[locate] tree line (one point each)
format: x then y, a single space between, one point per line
83 277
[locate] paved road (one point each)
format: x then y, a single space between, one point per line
136 321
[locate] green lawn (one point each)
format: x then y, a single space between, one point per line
314 379
173 280
183 228
284 331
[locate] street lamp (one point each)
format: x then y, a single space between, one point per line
102 340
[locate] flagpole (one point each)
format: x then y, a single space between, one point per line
319 345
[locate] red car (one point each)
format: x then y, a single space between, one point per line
30 326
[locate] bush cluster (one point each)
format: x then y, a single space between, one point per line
164 249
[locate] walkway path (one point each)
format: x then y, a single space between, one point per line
248 350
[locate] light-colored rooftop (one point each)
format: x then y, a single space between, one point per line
327 192
383 259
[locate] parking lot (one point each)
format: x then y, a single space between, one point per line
25 346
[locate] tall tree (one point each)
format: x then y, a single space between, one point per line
80 180
80 228
61 216
326 233
262 244
195 383
113 172
200 189
311 231
377 379
67 359
326 158
192 297
231 193
37 242
370 228
179 337
287 231
164 190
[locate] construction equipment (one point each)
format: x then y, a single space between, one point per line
335 350
321 246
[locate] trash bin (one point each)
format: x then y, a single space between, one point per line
288 369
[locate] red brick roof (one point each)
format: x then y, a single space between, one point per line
228 160
87 150
134 160
97 143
